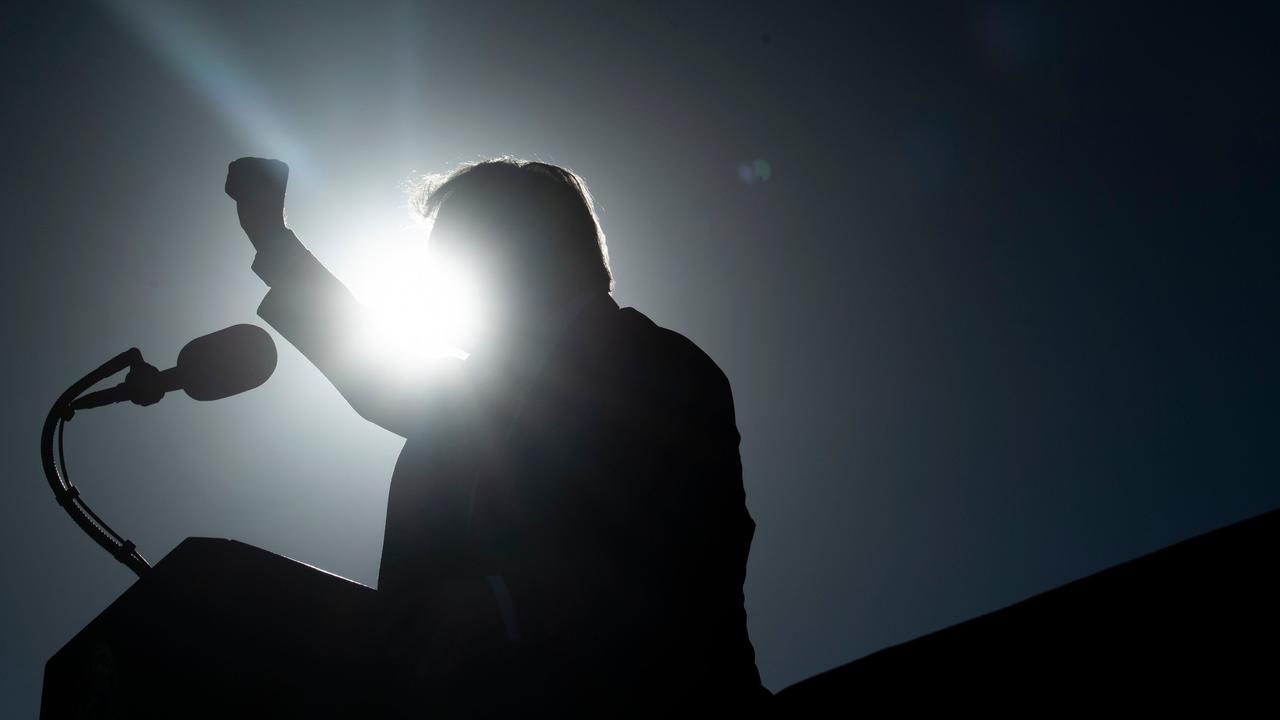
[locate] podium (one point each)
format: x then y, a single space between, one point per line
222 629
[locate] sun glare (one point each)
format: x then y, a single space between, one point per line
422 307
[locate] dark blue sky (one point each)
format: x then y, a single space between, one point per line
1001 315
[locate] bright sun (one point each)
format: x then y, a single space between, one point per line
422 306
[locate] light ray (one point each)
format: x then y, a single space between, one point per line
191 48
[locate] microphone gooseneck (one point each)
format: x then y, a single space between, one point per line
211 367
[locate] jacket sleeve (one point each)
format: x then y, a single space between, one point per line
657 562
315 312
692 544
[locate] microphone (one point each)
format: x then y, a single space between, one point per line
211 367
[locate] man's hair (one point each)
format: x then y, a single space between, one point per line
539 214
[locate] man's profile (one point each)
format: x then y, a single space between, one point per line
566 523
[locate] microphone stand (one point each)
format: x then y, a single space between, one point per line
55 469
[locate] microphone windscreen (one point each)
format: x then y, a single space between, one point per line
226 362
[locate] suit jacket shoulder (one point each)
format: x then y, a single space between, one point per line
677 368
662 419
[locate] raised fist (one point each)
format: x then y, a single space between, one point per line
257 185
252 179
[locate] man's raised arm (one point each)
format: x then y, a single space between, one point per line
315 312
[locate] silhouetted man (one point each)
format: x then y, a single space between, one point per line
566 525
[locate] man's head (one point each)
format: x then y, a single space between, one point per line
528 229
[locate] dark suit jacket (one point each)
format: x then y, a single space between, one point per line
603 494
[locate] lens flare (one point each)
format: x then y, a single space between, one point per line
421 306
